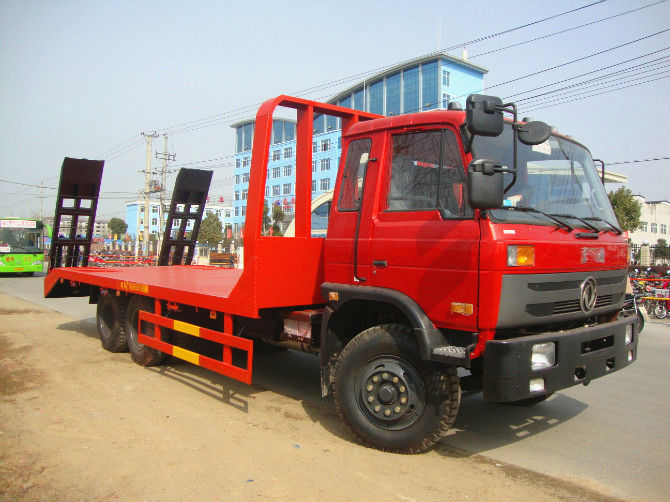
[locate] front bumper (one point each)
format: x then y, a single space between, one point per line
582 355
9 269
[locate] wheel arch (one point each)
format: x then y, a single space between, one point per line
355 308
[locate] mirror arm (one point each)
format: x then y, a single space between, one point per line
511 108
602 169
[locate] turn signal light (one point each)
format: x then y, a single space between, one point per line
520 256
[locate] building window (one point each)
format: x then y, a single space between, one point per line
246 161
154 209
267 190
325 184
276 154
393 95
237 210
430 96
245 178
288 152
286 189
411 90
154 221
643 226
237 163
314 166
237 179
325 164
236 227
325 145
445 100
314 150
664 228
276 172
245 192
313 185
288 170
652 228
446 78
237 195
275 190
244 210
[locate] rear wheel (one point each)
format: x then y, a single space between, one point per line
111 322
388 397
140 353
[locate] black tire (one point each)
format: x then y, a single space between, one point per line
414 402
530 401
111 321
140 353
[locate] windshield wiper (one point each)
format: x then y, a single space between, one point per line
616 229
583 220
527 209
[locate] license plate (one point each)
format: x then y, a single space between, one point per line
19 269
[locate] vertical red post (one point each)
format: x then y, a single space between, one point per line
303 171
228 330
157 311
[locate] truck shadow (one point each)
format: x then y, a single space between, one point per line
482 426
85 327
479 427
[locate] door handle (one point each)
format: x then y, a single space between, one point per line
380 263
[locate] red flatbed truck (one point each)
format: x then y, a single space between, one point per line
455 240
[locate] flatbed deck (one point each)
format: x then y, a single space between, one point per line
206 287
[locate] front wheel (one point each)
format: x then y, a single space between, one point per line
388 397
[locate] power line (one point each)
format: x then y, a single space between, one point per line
571 92
567 30
636 161
177 129
570 62
570 100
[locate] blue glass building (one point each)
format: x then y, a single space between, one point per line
427 83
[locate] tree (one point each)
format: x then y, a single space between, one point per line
626 209
661 250
211 230
277 217
117 226
266 218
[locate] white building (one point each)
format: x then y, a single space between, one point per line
655 222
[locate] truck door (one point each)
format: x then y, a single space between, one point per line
347 258
424 240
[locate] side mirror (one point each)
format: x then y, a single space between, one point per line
483 115
485 185
533 133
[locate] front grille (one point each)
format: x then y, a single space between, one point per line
568 306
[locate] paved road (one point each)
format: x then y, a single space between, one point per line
615 432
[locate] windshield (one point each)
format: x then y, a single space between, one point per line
20 236
557 177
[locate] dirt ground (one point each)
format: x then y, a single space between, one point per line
78 423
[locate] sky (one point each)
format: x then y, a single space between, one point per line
85 79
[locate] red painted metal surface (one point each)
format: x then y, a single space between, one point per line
228 341
278 271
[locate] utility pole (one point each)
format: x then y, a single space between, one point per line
147 189
165 156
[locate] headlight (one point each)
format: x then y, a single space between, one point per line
520 256
629 334
543 356
39 262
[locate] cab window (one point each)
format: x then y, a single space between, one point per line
427 174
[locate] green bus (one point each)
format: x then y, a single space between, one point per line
22 245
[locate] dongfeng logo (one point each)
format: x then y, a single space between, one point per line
588 295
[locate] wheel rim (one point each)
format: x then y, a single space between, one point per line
390 392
